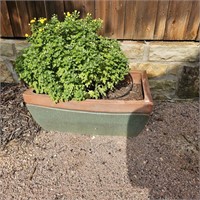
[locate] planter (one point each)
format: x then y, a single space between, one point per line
101 117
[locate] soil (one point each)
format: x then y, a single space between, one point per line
160 163
126 90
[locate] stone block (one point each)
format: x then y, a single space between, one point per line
6 75
153 69
133 50
7 49
174 51
20 45
188 82
162 89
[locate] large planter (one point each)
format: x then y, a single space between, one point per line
94 117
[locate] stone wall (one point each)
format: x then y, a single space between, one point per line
172 67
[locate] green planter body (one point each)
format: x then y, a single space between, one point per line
94 117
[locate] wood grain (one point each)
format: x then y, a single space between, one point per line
191 29
103 11
161 19
6 28
15 19
130 19
177 19
146 12
118 18
122 19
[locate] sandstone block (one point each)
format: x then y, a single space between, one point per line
20 45
7 49
153 69
188 82
174 51
133 50
6 75
162 89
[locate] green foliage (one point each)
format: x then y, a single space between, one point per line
69 60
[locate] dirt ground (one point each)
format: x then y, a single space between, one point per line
160 163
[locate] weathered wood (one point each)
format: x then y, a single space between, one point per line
177 19
118 13
198 34
145 19
31 7
55 7
122 19
23 17
15 19
71 5
161 20
6 28
130 16
191 29
103 11
40 9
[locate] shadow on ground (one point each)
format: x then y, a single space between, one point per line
164 157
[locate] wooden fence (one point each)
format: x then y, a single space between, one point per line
127 19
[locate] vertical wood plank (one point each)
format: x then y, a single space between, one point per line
118 17
23 17
198 34
177 19
146 12
130 15
191 30
6 28
102 11
78 5
161 19
14 18
40 9
31 9
55 7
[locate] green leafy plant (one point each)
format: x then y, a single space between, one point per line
69 60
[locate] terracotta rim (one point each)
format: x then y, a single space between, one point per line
91 105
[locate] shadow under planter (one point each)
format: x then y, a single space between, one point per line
94 117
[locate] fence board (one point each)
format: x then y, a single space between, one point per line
103 11
145 19
130 15
198 34
31 9
161 20
40 9
6 28
23 17
15 19
123 19
191 29
55 7
118 13
80 6
177 19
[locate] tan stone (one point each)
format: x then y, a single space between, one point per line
133 50
6 49
174 51
20 45
6 75
153 69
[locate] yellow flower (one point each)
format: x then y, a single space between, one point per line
26 35
40 30
68 14
42 20
32 21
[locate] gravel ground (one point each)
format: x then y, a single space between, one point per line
160 163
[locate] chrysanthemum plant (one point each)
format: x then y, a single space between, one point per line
69 60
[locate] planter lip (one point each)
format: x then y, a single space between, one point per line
100 105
